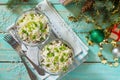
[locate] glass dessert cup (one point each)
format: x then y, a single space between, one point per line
63 69
33 28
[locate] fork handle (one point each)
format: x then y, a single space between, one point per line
39 70
31 74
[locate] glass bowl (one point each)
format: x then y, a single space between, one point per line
33 28
54 63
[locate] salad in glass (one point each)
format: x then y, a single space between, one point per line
56 57
32 27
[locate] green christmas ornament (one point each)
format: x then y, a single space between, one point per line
97 36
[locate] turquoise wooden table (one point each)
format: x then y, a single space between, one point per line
11 66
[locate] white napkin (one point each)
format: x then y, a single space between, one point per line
62 30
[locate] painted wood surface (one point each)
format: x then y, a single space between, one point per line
12 67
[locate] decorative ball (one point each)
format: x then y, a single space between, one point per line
97 36
116 51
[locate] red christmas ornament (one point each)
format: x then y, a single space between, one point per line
115 33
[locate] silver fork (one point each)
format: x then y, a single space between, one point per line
21 53
11 30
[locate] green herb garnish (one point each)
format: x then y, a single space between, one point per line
62 47
65 68
56 58
33 37
62 59
48 65
24 31
48 48
50 54
56 49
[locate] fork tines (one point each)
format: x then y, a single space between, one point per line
11 40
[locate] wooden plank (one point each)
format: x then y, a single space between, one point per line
13 71
85 71
7 55
9 16
95 71
30 1
3 44
107 53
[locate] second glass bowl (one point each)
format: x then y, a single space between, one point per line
56 57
